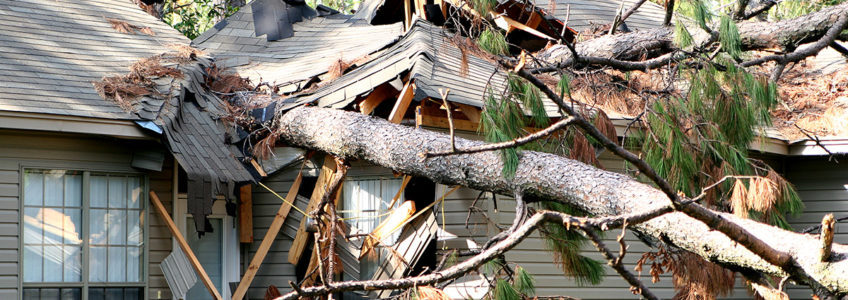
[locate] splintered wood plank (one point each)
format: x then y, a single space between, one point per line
534 21
245 215
402 103
302 237
268 240
509 24
380 94
184 245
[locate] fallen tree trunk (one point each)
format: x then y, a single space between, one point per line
638 45
602 193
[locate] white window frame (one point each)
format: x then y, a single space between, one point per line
85 208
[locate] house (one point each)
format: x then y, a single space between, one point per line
75 221
404 83
78 158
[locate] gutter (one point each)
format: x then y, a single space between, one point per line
126 129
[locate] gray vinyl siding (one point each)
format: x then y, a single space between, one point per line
820 183
19 149
823 186
275 269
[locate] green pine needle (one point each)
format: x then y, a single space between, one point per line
524 282
505 291
682 38
564 86
728 35
493 41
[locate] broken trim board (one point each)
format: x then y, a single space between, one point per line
184 245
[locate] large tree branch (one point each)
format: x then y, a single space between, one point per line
598 192
637 46
519 233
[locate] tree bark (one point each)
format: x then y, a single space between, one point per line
601 193
638 45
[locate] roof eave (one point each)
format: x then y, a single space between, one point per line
126 129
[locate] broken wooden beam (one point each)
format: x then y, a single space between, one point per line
402 103
245 214
210 286
268 240
508 24
302 237
377 96
827 230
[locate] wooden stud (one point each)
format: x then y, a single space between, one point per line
302 237
380 94
419 7
534 21
258 168
402 104
407 11
245 214
269 238
184 245
471 112
435 117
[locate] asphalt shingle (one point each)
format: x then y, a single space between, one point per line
52 50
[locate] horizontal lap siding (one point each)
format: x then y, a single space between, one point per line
823 186
68 151
820 184
275 269
159 236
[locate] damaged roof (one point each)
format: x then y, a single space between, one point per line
583 14
52 51
191 117
432 60
316 45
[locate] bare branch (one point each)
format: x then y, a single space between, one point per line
460 269
509 144
614 262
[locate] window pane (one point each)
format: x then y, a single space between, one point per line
32 263
53 256
135 192
73 190
33 188
97 226
71 293
98 191
50 294
117 264
133 228
117 192
133 262
54 219
96 294
33 224
32 294
117 227
97 264
114 293
73 264
54 189
132 294
73 226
